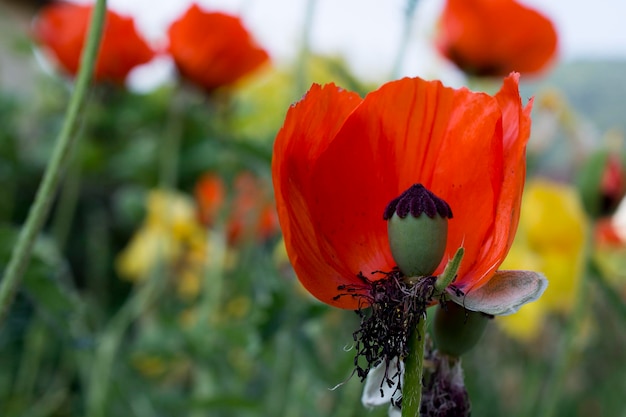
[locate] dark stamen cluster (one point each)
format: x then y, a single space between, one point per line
417 200
395 308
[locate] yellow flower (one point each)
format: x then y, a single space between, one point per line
551 238
150 366
170 236
270 92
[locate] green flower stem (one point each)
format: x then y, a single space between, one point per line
302 74
68 199
556 380
111 339
45 194
555 383
414 362
285 377
30 363
170 151
611 295
50 402
404 40
204 381
213 279
413 372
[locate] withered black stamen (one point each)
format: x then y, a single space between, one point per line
417 200
390 309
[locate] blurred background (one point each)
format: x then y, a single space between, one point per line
160 285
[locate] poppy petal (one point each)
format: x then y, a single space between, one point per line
377 390
504 293
516 124
424 133
309 128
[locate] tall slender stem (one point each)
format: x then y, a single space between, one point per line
111 339
60 157
552 389
204 381
305 49
67 201
413 372
170 151
611 296
404 40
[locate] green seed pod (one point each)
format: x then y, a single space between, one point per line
457 330
417 243
417 228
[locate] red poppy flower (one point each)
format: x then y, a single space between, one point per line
62 28
251 212
495 37
210 194
213 49
605 234
339 160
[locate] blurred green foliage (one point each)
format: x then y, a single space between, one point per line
594 88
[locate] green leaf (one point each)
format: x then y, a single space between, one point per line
43 280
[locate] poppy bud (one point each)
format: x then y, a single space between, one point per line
417 227
457 330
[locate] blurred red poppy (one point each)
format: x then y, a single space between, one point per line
605 234
251 213
339 160
213 49
495 37
61 28
210 195
612 183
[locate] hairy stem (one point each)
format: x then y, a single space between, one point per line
414 368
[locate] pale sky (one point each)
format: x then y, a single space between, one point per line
367 32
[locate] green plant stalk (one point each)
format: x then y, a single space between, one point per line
48 403
213 279
302 73
30 362
58 163
277 400
555 383
611 295
170 152
68 199
404 40
556 380
413 371
414 362
204 384
111 339
298 383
